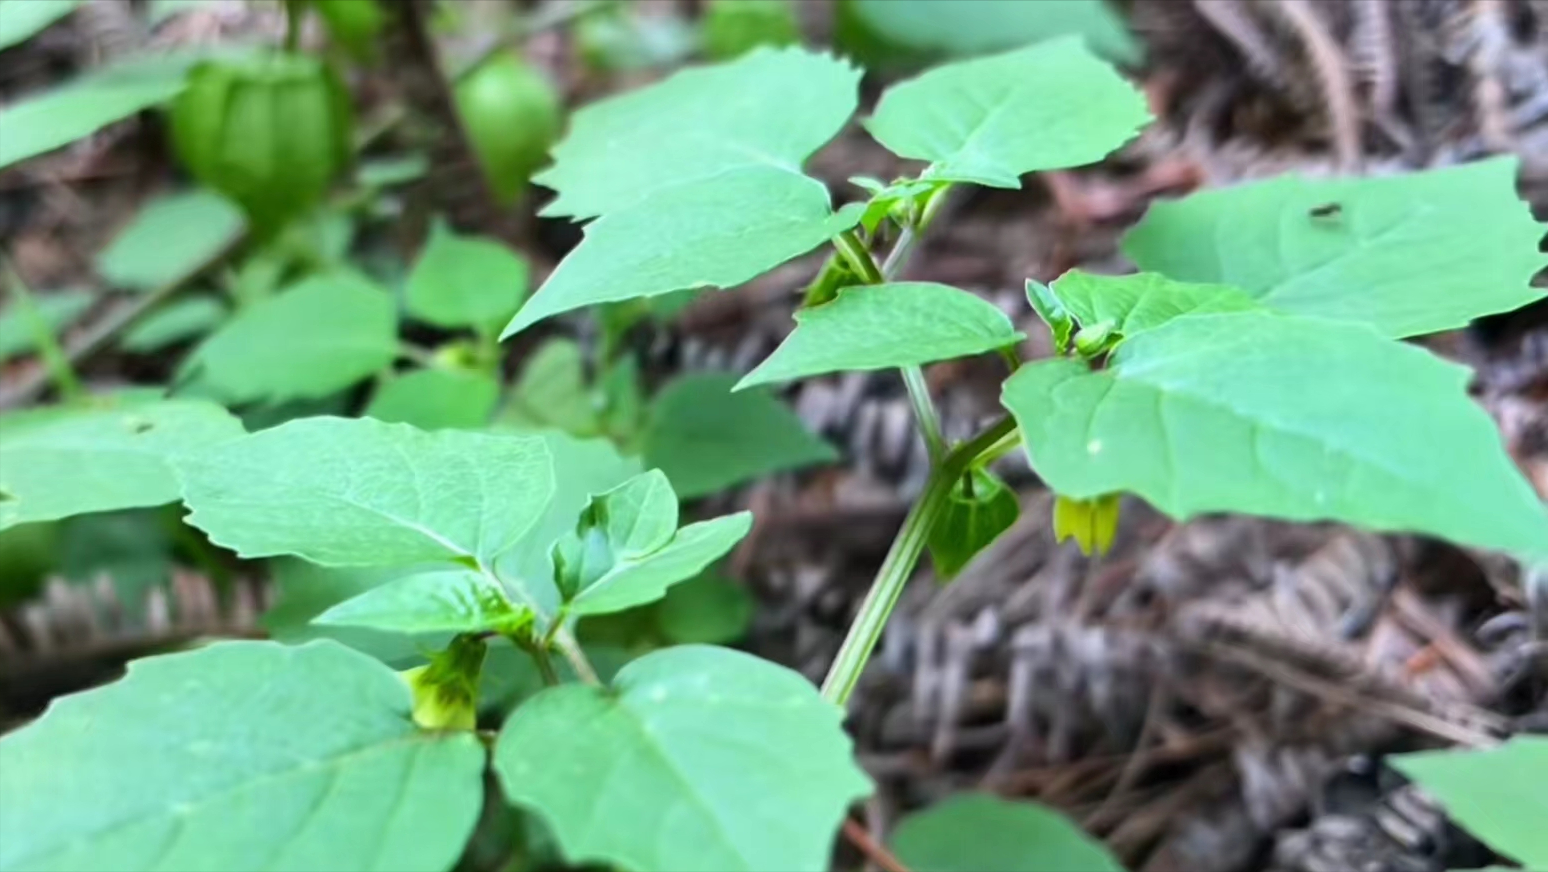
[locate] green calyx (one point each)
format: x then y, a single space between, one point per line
270 133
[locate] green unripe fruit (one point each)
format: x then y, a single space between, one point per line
512 116
732 27
270 133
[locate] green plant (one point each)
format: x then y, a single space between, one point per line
1264 376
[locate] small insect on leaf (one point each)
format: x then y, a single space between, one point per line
1326 210
1093 522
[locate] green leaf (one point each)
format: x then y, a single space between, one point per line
1279 415
22 20
582 467
58 309
637 517
973 518
1053 313
717 232
446 601
1408 254
983 833
739 761
705 438
930 29
82 107
305 590
1497 794
635 581
238 756
552 391
886 326
318 337
358 492
768 110
57 462
698 180
991 120
465 281
175 322
434 399
1136 303
626 549
706 610
623 40
171 238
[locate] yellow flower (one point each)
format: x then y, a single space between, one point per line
1093 522
446 688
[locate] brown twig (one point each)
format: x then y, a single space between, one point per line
873 850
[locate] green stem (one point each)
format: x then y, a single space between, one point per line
55 362
572 652
545 665
924 413
859 257
900 561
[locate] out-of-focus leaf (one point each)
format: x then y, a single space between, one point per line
177 321
312 340
552 391
890 33
706 610
19 21
80 108
982 833
706 438
434 399
465 281
172 237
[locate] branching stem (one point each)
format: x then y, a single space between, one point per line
901 558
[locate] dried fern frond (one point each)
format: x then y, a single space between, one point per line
75 635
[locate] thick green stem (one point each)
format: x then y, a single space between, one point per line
900 561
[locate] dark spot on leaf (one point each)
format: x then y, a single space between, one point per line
1326 210
139 425
7 497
